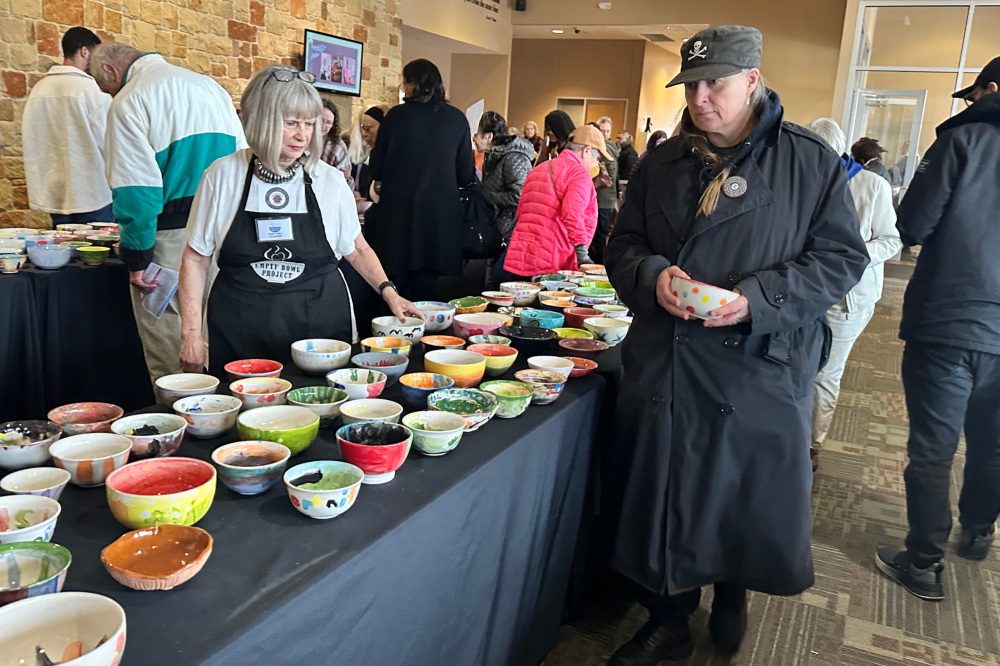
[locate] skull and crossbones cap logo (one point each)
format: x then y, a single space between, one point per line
718 52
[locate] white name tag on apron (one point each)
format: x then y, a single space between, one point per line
274 229
278 272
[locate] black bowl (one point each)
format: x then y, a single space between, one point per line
529 341
374 433
33 431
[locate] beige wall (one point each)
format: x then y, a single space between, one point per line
477 77
462 21
660 104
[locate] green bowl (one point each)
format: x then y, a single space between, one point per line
514 397
594 292
577 333
294 426
324 400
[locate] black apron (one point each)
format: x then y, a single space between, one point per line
258 307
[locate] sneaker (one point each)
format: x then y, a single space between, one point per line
975 545
728 622
655 642
922 583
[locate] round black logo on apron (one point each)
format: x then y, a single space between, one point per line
276 198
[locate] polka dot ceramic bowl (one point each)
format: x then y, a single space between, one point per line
699 298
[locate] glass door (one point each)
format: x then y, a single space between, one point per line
894 118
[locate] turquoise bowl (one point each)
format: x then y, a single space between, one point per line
541 319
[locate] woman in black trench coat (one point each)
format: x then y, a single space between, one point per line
719 411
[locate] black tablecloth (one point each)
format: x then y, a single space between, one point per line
66 336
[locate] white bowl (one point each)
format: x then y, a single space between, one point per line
55 622
261 391
49 256
411 328
318 356
170 433
439 315
699 298
370 409
91 458
435 433
43 481
324 504
17 455
27 518
524 292
606 329
171 388
556 364
359 383
612 311
208 416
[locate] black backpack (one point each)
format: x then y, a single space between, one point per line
480 237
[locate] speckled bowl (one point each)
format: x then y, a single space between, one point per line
318 356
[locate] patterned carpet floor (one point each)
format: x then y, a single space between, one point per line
853 616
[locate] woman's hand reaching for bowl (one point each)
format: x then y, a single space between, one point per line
401 307
665 295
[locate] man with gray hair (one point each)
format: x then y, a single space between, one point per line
166 125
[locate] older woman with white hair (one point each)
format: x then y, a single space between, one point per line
267 229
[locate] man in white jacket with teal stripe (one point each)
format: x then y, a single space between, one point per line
166 125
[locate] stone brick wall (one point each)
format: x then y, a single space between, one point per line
228 40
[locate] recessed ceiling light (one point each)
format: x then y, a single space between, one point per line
558 32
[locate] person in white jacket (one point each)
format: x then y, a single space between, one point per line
848 318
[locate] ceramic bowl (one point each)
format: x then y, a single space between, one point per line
161 491
26 443
548 385
556 295
573 333
514 397
208 416
588 302
12 263
73 246
465 367
484 323
252 367
592 281
469 304
435 433
411 328
524 292
593 269
556 364
171 388
93 255
613 311
74 227
49 256
499 298
392 345
499 358
699 298
70 627
541 319
550 277
320 356
359 383
157 558
558 285
418 386
323 489
377 448
476 407
608 330
324 400
27 518
43 481
295 427
438 315
581 366
529 341
595 293
84 417
488 340
555 305
576 316
371 409
251 468
103 240
91 458
584 348
393 365
32 569
432 342
256 392
152 435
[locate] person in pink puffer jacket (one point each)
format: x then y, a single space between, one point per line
557 213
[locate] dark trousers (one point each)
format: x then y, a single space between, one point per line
948 388
663 607
597 245
102 215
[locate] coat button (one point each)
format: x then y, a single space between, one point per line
726 408
681 339
658 399
734 277
779 298
732 343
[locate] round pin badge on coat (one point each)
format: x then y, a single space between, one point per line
276 198
734 187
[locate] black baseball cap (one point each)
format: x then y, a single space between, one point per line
718 52
990 74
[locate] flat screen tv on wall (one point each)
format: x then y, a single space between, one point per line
335 62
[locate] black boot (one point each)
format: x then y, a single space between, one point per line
658 640
975 544
922 582
728 622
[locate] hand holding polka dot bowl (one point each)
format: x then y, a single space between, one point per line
699 298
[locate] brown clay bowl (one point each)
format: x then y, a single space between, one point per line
157 558
583 348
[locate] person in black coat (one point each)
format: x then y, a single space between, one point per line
716 415
422 156
628 158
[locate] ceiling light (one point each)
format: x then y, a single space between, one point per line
557 32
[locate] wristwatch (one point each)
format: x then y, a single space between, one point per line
385 285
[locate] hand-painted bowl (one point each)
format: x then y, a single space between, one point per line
529 341
44 481
559 285
171 388
607 330
499 358
393 365
318 356
488 340
251 468
74 246
418 385
84 417
12 263
524 292
256 392
483 323
499 298
210 415
432 342
103 240
555 305
161 491
514 397
152 435
550 277
377 448
589 302
438 315
26 443
541 319
91 458
157 558
411 328
359 383
574 333
49 256
465 367
556 364
584 348
295 427
547 385
476 407
469 304
27 518
93 255
435 433
252 367
581 366
74 227
392 345
699 298
594 269
323 489
31 569
370 409
595 293
324 400
556 295
612 311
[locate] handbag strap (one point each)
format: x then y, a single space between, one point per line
553 180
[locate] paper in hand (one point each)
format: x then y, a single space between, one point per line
156 301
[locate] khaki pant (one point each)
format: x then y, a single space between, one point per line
847 328
161 338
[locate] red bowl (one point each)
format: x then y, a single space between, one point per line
576 316
581 366
387 447
584 348
492 350
252 367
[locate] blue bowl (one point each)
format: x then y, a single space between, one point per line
393 365
541 319
418 386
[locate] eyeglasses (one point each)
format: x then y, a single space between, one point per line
367 128
285 75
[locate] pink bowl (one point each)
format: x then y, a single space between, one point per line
492 350
80 418
252 367
481 323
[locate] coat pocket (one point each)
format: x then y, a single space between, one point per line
824 356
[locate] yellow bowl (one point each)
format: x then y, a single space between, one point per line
390 345
161 491
573 333
465 367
